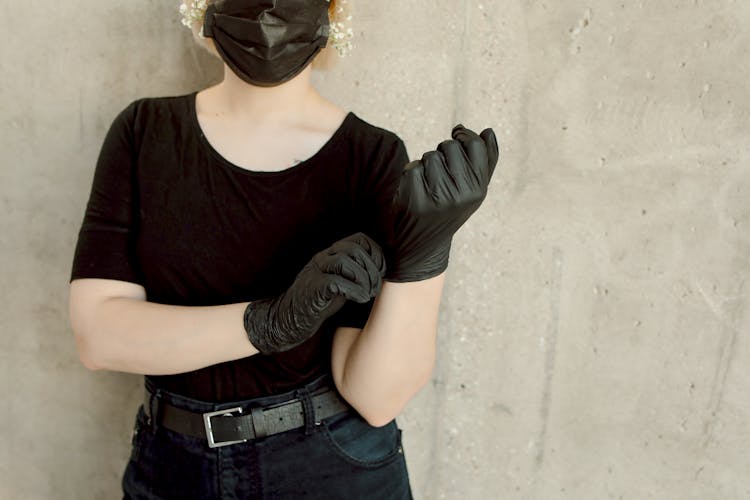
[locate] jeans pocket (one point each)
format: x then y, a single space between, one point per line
351 438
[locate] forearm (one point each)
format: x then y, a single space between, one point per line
143 337
392 358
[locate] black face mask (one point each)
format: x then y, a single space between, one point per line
267 42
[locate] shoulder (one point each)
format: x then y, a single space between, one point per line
144 108
376 136
381 154
152 117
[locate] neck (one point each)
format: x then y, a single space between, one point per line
288 102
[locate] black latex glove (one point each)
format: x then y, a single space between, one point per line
350 269
435 196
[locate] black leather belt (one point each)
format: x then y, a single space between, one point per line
255 423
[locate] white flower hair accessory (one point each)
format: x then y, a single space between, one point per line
193 12
339 37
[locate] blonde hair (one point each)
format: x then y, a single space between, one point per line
208 43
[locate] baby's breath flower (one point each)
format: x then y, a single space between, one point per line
340 35
193 13
340 38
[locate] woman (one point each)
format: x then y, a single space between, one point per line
272 265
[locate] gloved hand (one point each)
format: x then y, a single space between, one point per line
434 197
350 269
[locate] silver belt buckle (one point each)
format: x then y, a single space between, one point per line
209 432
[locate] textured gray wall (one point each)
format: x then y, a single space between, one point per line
594 328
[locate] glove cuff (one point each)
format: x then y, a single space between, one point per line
255 319
425 268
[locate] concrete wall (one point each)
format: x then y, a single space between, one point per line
593 339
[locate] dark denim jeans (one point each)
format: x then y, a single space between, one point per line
342 458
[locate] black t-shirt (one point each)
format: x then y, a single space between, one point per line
168 212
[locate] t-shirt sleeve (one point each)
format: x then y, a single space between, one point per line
105 246
377 185
379 182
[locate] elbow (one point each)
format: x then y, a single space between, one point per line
89 364
86 329
379 412
377 415
85 352
373 414
86 345
379 420
79 323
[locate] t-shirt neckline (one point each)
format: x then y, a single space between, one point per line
331 142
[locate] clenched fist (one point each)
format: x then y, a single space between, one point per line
434 197
350 269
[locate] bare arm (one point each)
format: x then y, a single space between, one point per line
380 368
117 329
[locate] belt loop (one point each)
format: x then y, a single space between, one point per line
259 423
307 408
153 405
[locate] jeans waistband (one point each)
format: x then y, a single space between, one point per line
196 405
